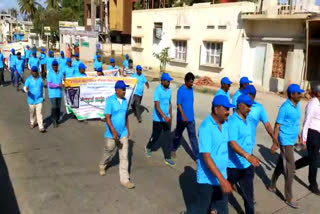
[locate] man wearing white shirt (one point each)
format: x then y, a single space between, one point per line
311 138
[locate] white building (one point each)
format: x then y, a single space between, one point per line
206 39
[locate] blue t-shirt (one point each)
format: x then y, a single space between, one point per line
78 74
97 65
76 64
214 141
110 67
118 114
289 120
95 58
222 92
239 131
62 62
126 63
141 81
185 99
34 61
235 97
35 93
27 53
20 65
256 114
1 60
43 58
55 78
12 60
49 61
164 97
69 71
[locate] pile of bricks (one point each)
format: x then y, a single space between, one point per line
205 81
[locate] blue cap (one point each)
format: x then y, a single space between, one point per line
138 67
76 55
28 46
50 52
244 98
166 76
127 56
12 50
69 60
82 66
112 60
61 53
294 88
42 49
34 52
222 100
225 80
245 80
98 56
99 69
34 68
54 62
120 85
250 89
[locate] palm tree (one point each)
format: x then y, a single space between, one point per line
55 4
28 7
13 12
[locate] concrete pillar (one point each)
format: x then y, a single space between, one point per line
268 68
294 67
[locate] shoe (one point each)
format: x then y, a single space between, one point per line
148 152
169 162
43 130
128 185
102 170
32 126
139 120
55 124
173 155
314 190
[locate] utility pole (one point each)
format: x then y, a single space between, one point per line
93 15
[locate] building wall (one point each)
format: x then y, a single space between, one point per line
197 18
120 16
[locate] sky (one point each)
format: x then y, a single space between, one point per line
7 4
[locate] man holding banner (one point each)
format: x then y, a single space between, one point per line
117 133
114 67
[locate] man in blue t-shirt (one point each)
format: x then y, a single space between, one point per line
225 86
27 53
213 160
117 133
126 62
138 93
12 64
244 81
185 116
287 132
62 61
97 63
34 88
43 58
34 61
68 71
76 62
49 60
114 67
241 161
2 64
19 70
162 118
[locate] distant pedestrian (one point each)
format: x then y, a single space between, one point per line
95 57
2 66
76 62
126 62
43 59
69 51
62 61
287 132
49 60
185 116
27 53
117 133
12 64
138 93
162 118
241 161
98 63
55 92
244 81
213 160
225 86
311 139
34 88
114 67
19 71
34 61
128 72
82 71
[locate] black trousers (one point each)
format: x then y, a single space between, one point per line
1 76
55 109
244 177
157 129
136 106
313 158
43 72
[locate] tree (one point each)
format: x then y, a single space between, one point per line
163 57
53 4
28 7
13 12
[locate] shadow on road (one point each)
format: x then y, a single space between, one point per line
189 187
8 201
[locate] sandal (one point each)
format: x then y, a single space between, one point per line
273 190
293 204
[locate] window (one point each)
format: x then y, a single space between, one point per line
178 27
180 50
211 27
222 27
137 41
186 27
213 53
139 27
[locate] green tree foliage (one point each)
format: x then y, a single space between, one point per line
28 7
13 12
163 57
53 4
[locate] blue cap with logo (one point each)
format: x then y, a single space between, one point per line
120 84
294 88
138 67
112 60
61 53
225 80
34 68
50 52
82 66
222 100
13 50
127 56
98 56
250 89
42 49
69 60
99 69
76 55
245 80
54 62
166 76
244 98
